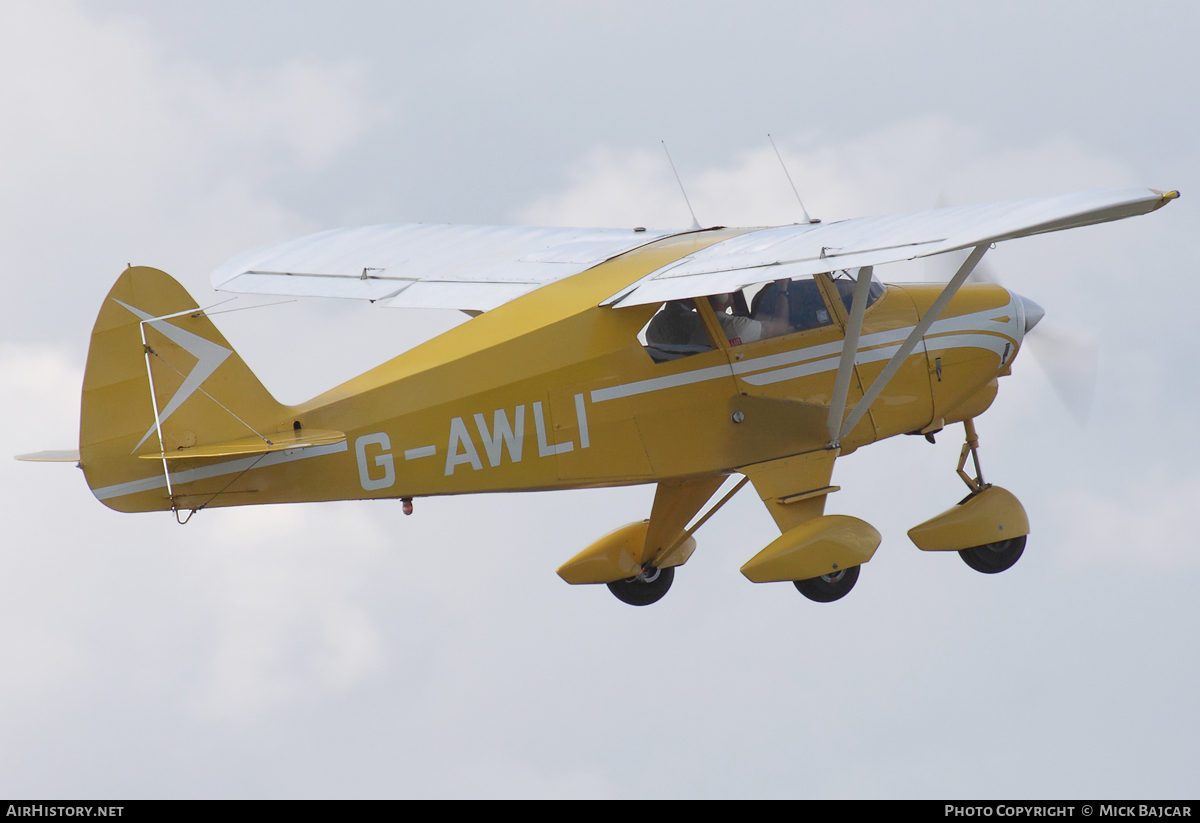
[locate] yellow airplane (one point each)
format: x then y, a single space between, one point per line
594 357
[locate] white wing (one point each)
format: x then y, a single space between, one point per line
477 268
792 251
426 265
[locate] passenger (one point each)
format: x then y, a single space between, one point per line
676 325
769 321
806 306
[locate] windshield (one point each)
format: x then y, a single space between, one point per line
845 286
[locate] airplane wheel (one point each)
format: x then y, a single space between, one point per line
648 587
993 558
828 587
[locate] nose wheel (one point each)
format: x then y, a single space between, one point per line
828 587
643 589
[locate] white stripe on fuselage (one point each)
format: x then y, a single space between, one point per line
776 368
242 464
956 332
668 382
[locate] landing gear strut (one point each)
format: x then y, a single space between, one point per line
645 588
828 587
990 558
971 447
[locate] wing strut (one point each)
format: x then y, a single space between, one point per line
841 385
901 354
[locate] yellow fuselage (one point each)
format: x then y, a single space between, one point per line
553 391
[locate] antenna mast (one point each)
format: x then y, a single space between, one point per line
695 223
807 219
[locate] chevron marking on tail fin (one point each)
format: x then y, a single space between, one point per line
209 356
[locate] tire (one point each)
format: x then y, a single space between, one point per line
828 587
643 589
993 558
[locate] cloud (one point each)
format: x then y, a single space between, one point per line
120 152
899 168
1144 523
43 378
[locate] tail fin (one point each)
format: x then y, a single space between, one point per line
160 378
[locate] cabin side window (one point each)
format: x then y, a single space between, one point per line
771 310
676 330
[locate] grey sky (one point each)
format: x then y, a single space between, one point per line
344 650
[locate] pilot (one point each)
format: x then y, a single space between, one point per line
769 321
807 307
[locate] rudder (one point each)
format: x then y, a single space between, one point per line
203 391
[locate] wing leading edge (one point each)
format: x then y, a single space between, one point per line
477 268
793 251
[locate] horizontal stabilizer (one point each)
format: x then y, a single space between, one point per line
52 456
276 442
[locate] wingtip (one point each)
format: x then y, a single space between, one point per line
55 456
1165 197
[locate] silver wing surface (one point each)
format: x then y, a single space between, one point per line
477 268
793 251
426 265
